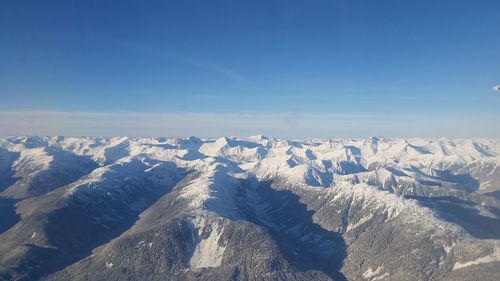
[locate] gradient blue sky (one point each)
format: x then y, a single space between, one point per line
431 63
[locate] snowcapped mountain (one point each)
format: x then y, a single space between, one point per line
249 209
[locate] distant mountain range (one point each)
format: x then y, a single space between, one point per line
252 208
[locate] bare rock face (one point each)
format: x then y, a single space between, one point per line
249 209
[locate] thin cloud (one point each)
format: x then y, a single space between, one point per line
218 69
204 65
14 123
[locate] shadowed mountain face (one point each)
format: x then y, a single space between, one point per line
8 216
249 209
306 244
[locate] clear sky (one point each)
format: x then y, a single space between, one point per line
283 68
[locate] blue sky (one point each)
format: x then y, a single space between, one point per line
431 63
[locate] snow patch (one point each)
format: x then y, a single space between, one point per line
495 256
208 252
376 274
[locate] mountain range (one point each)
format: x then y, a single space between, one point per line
255 208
